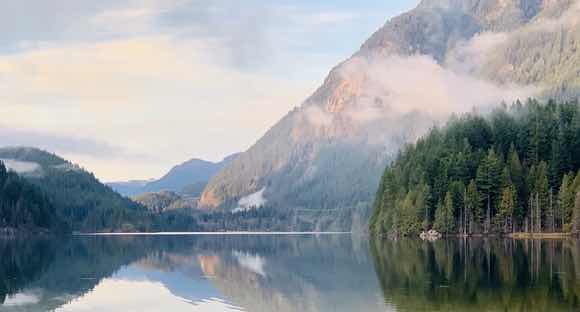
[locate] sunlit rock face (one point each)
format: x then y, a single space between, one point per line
445 56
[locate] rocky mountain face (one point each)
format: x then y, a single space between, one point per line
188 179
324 158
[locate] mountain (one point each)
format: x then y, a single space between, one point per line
188 178
80 201
324 158
129 188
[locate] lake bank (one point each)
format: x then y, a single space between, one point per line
523 235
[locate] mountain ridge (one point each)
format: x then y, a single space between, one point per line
458 52
188 178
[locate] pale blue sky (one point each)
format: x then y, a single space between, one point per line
129 88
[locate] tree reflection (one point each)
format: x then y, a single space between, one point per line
479 274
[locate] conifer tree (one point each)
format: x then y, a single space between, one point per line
472 204
566 201
504 217
576 221
444 221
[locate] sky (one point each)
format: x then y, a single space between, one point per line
127 89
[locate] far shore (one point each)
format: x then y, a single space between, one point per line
206 233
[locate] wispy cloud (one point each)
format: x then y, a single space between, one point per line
59 143
165 79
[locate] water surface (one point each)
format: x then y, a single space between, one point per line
306 272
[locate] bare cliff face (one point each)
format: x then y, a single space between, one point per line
445 56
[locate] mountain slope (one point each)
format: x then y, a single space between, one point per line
81 202
188 178
23 206
445 56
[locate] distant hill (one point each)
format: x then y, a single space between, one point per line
129 188
188 179
165 201
80 201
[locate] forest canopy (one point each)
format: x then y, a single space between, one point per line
514 170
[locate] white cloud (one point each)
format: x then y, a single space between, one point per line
20 166
20 299
164 79
392 101
469 56
568 17
147 94
399 85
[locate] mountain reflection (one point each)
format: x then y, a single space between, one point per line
287 273
479 275
189 273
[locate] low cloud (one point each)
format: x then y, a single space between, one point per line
254 200
59 143
553 22
399 85
393 101
469 56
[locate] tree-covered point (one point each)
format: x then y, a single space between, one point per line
515 170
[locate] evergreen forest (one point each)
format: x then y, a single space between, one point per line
515 169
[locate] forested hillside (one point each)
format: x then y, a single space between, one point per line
76 198
23 205
515 170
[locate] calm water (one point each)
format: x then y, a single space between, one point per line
287 273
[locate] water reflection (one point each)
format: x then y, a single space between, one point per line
287 274
479 275
189 273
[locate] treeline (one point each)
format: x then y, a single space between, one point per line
23 205
515 170
265 218
85 204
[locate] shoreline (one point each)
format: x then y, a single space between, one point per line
206 233
524 235
516 235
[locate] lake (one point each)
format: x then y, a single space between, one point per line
306 272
